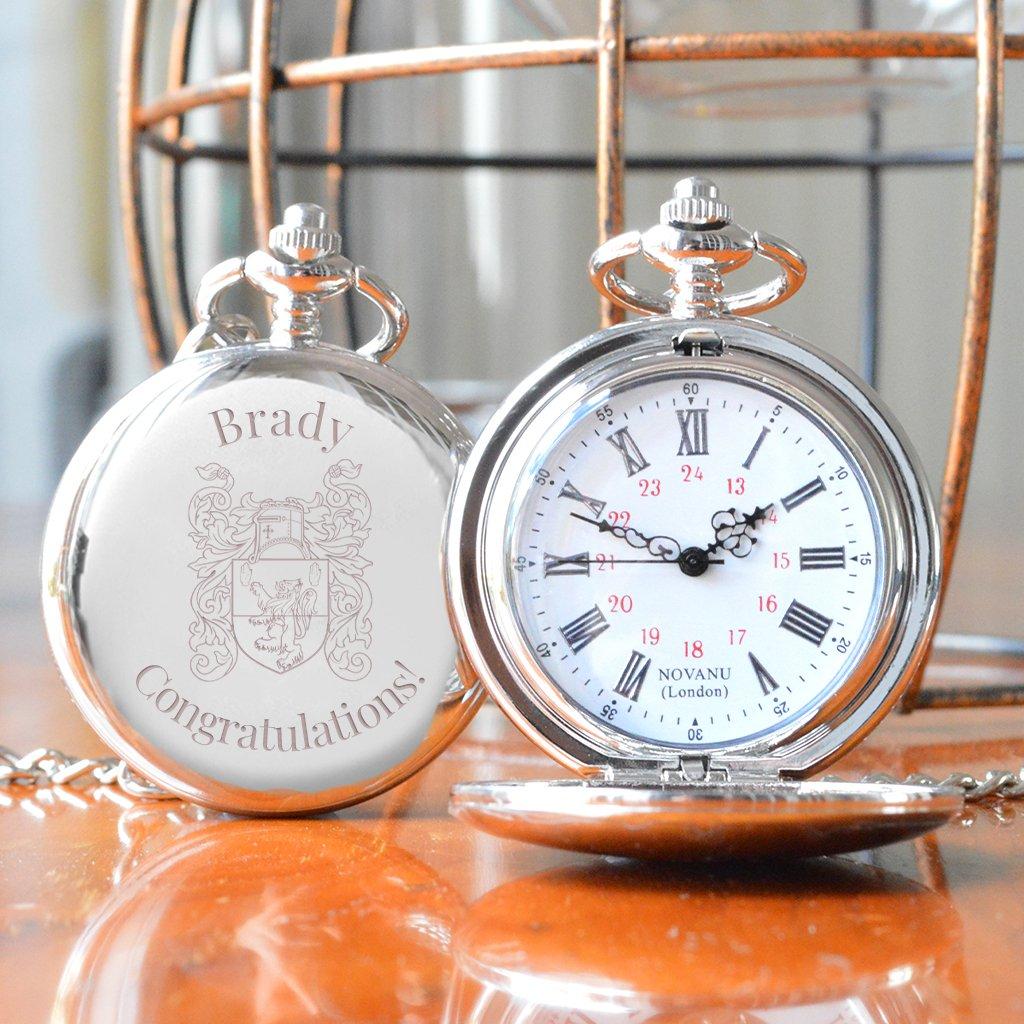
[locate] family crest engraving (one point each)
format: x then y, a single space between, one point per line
280 579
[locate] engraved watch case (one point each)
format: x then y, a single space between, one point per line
241 581
689 791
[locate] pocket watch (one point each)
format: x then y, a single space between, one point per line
695 560
241 578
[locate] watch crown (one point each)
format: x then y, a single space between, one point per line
303 234
695 204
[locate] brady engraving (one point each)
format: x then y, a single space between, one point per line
280 578
233 426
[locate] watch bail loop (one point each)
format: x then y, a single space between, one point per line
301 268
697 244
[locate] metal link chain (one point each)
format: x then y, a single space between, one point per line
47 767
998 784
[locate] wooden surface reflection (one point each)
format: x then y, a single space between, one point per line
830 940
118 911
136 913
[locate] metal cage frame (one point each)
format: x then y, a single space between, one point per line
157 125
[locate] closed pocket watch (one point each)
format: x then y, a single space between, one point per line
695 560
241 566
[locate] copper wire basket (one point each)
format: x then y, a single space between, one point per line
157 125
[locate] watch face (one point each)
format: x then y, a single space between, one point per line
731 554
695 560
242 583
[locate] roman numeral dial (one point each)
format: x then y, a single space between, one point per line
802 494
823 558
752 454
693 431
584 629
633 676
806 622
567 565
622 441
764 677
596 505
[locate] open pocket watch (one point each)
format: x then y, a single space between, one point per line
695 560
241 578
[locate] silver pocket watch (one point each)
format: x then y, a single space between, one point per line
695 560
240 568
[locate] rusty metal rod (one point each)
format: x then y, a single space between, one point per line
338 104
611 85
933 698
435 60
980 285
261 147
187 149
132 206
172 248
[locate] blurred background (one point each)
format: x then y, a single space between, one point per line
491 260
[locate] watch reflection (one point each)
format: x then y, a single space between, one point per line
275 922
825 942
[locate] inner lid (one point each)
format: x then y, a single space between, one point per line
739 820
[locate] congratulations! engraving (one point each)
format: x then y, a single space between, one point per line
304 732
280 578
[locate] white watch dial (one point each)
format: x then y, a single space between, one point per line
695 560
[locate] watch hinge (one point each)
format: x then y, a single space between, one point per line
688 771
699 341
693 769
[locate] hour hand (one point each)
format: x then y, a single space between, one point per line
664 548
734 531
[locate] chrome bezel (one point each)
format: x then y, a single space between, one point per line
476 558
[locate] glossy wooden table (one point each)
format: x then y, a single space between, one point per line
114 911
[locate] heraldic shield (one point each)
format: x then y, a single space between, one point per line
281 579
279 598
